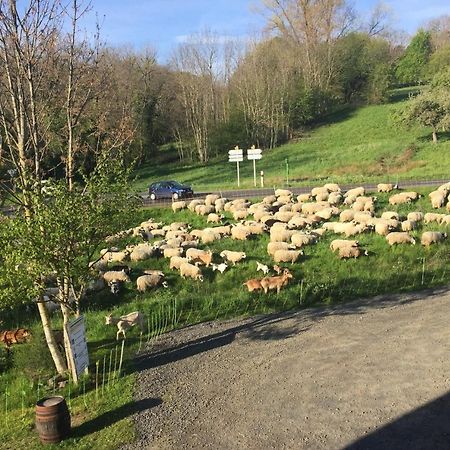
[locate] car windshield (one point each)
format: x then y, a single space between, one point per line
175 184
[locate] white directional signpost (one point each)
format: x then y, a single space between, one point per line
237 156
254 154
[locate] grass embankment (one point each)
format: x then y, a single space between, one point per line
351 146
102 420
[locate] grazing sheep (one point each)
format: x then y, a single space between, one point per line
332 187
211 199
446 220
327 213
390 215
240 233
262 267
214 218
277 282
281 235
146 282
99 265
189 270
400 238
141 253
176 261
193 204
287 255
240 214
232 257
300 239
169 252
116 256
219 204
284 199
437 199
283 192
208 237
383 228
415 216
269 199
253 284
284 216
224 230
351 252
385 187
124 323
257 228
199 256
335 198
432 237
337 244
347 215
272 247
398 199
408 225
433 217
298 223
116 275
204 210
319 191
303 198
220 267
363 217
178 206
355 192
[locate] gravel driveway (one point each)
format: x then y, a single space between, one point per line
371 374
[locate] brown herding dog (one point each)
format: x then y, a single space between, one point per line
277 282
11 337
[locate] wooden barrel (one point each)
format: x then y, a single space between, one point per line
52 419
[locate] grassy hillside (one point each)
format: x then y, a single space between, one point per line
353 145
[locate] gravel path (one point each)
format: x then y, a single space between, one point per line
372 374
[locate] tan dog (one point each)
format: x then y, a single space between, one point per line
277 282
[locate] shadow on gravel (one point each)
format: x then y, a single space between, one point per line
267 327
425 428
111 417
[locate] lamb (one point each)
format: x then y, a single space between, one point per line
277 282
116 275
415 216
146 282
337 244
385 187
400 238
232 257
287 255
214 218
277 269
189 270
432 237
351 252
178 206
220 267
262 267
176 261
253 284
272 247
124 323
199 256
169 252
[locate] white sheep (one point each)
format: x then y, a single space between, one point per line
124 323
189 270
233 257
240 214
220 267
303 198
111 256
355 192
287 256
272 247
408 225
300 239
283 192
432 237
214 218
173 251
433 217
386 187
211 199
176 261
347 215
141 253
415 216
145 282
116 275
240 233
278 235
351 252
400 238
437 199
203 257
178 206
332 187
337 244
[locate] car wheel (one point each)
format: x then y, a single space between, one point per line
175 196
152 197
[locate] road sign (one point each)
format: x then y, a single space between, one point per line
236 155
79 357
253 154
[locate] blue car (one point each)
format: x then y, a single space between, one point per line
169 189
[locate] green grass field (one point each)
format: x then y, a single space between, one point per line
101 420
353 145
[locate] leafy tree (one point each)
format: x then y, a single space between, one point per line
412 65
439 60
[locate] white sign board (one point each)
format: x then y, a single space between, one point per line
253 157
78 345
236 155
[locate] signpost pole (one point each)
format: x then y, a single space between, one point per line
254 172
239 181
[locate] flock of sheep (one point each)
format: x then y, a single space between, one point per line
291 222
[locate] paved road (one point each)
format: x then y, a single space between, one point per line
372 374
261 192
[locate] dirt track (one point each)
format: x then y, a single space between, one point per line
372 374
